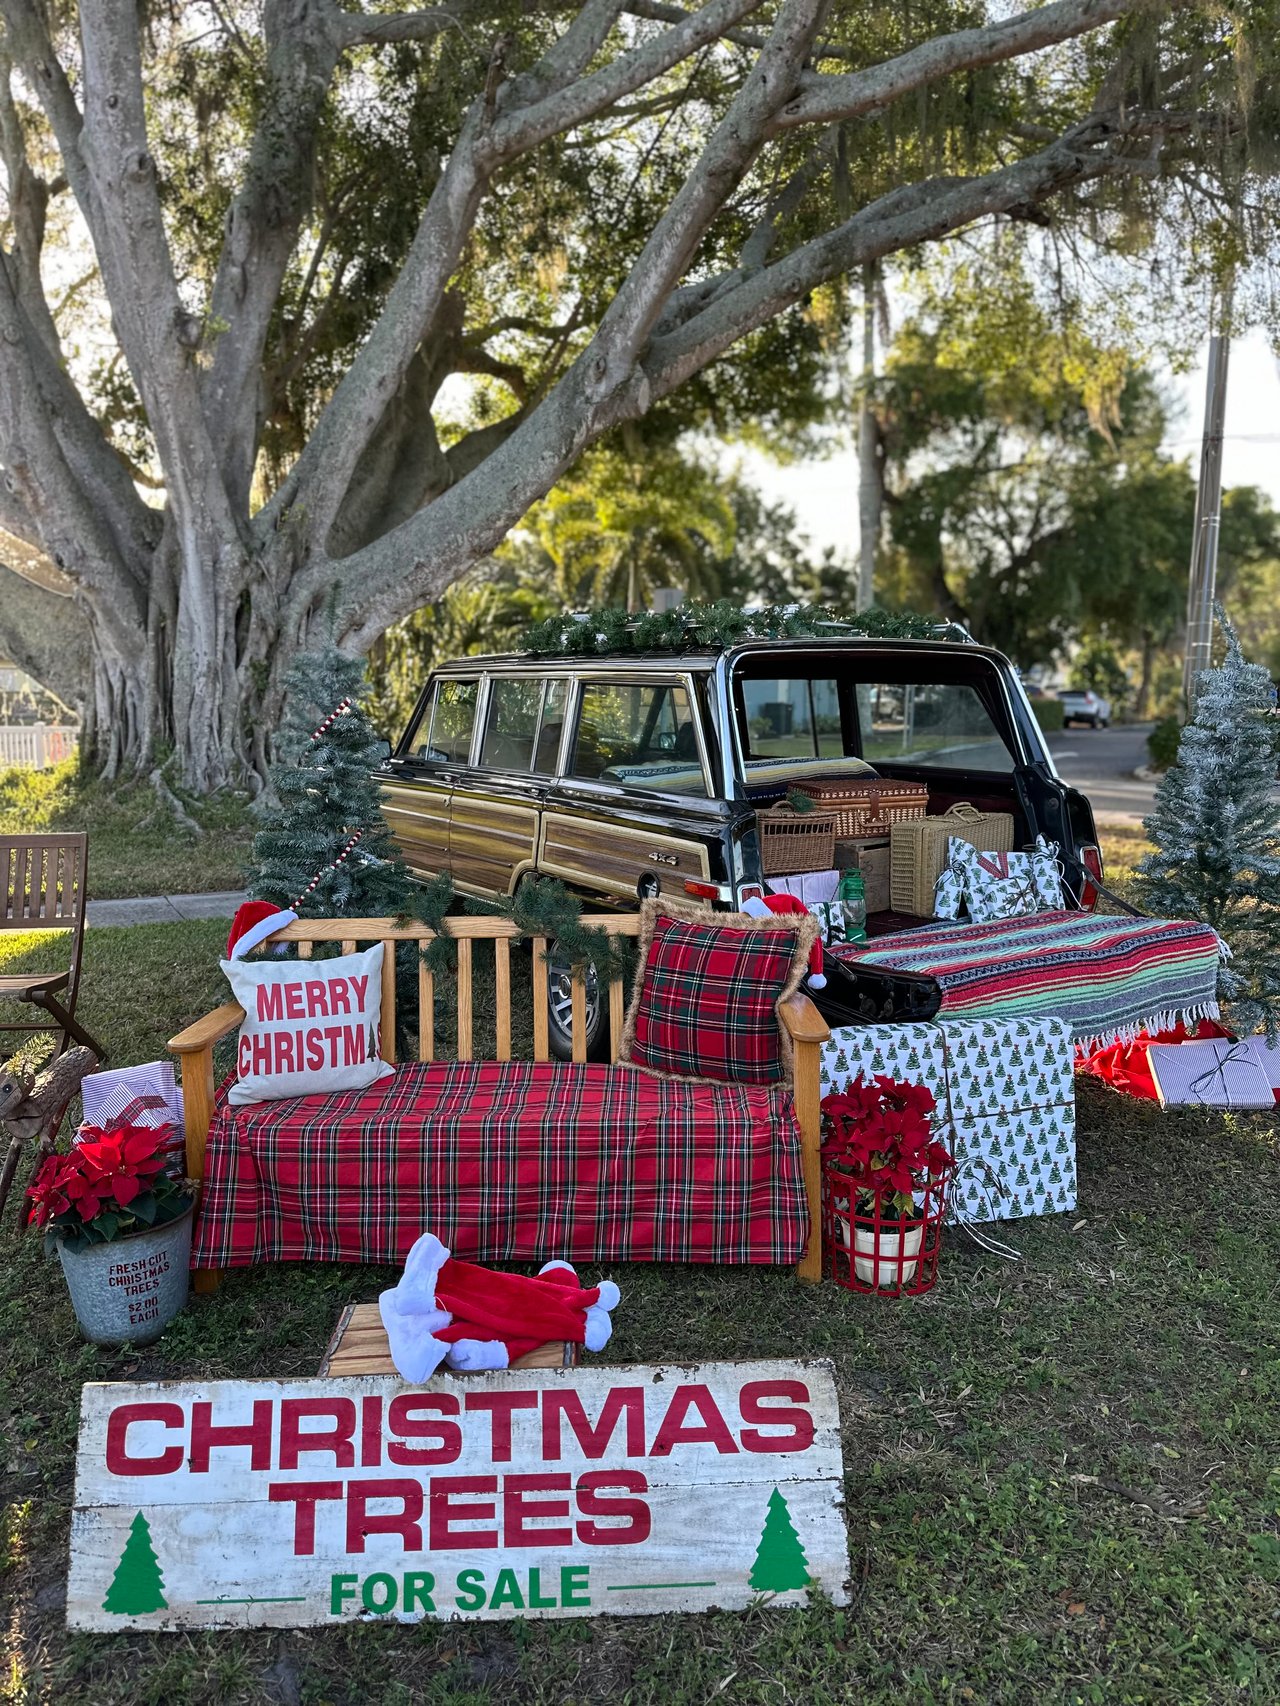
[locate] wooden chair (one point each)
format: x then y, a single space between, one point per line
805 1026
44 882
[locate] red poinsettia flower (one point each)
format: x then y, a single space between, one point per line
881 1134
118 1165
47 1193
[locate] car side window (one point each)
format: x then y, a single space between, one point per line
550 728
640 735
445 734
511 725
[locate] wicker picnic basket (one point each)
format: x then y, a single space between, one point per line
865 806
918 852
791 842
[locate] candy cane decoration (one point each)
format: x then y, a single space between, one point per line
338 711
340 860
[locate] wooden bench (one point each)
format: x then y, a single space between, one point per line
805 1026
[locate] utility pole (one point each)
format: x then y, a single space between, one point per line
1204 544
869 476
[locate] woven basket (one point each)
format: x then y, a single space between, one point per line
866 805
918 852
792 842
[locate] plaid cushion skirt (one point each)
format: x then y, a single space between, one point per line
507 1161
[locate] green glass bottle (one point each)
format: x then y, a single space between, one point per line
853 903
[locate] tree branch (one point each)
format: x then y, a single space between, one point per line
900 220
826 99
44 633
262 229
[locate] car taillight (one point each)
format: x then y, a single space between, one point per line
1091 859
702 891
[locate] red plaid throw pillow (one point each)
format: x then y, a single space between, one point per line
707 1002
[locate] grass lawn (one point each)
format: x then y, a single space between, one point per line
1062 1475
127 854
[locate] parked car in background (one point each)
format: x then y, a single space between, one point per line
1083 705
627 776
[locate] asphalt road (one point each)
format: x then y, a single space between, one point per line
1101 763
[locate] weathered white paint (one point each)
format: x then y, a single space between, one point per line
36 746
688 1467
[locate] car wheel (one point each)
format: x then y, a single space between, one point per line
560 1009
1105 723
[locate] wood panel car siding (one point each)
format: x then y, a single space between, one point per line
599 854
488 840
418 816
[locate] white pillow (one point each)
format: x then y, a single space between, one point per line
310 1027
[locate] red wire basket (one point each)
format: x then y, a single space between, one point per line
882 1254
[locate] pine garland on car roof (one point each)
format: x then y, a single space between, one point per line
714 627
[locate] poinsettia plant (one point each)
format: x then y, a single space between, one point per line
881 1135
108 1184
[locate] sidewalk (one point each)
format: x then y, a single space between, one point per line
163 909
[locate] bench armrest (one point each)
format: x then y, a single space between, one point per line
207 1031
195 1048
808 1031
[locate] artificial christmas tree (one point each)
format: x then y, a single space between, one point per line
137 1586
1216 830
325 850
780 1561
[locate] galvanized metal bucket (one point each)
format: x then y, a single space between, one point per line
128 1291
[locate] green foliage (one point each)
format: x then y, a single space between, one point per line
541 906
303 856
1048 713
1163 741
712 627
1216 830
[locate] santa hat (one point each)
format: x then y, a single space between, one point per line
254 921
785 905
475 1318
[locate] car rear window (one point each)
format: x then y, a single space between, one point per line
792 718
934 723
639 735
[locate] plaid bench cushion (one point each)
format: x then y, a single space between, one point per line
508 1161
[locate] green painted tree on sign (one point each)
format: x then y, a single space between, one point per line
780 1561
137 1585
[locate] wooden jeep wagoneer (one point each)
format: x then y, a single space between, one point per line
628 775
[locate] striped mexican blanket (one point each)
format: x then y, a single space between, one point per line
1107 977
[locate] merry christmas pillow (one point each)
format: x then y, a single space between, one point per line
310 1027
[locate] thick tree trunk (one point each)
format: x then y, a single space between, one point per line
870 458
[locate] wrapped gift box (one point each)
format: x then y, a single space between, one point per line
1006 1104
1219 1073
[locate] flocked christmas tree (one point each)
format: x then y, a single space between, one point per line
325 849
137 1586
1216 830
780 1561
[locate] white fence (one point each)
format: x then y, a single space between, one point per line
36 746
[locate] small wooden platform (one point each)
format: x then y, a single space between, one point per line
359 1346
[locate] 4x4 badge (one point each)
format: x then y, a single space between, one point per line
664 858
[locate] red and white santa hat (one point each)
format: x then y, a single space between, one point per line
783 904
254 921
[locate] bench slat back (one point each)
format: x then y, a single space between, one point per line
354 933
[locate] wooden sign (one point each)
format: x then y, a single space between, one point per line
545 1493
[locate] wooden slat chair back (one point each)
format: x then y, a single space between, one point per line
808 1031
45 880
